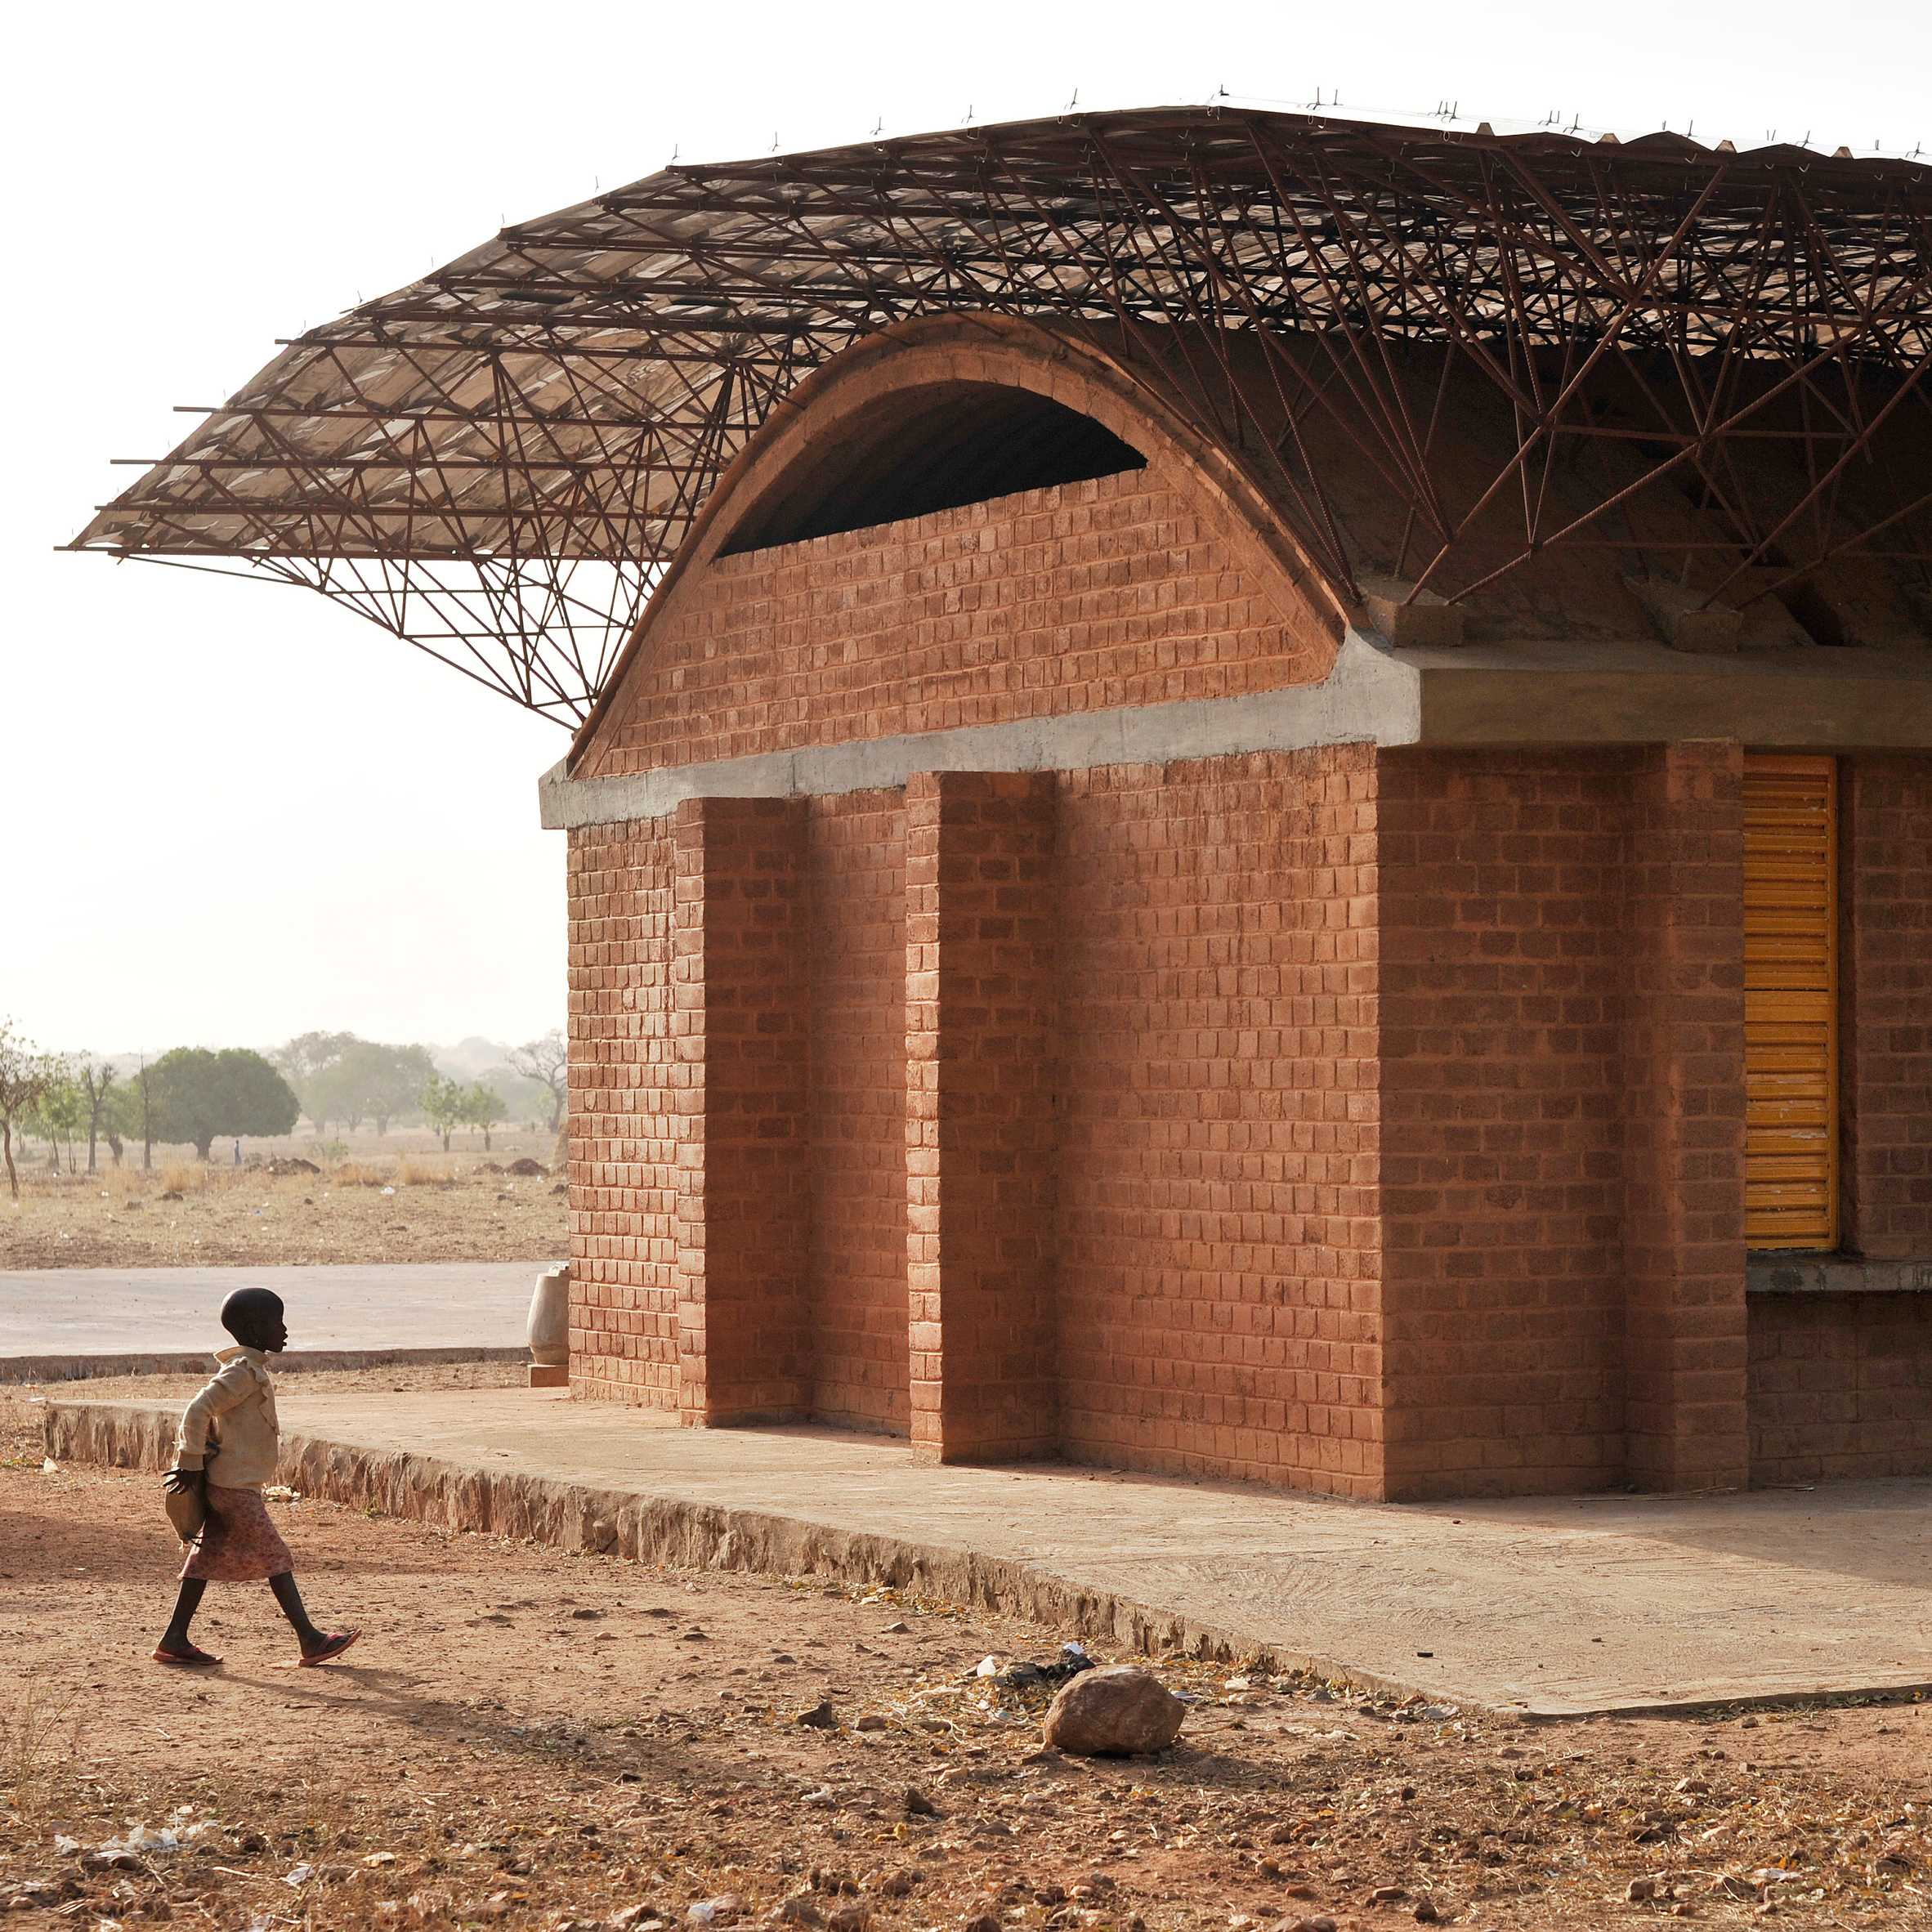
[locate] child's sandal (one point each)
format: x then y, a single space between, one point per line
331 1649
192 1658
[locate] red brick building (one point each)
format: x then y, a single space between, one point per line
1274 819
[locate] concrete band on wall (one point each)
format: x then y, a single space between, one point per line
1501 695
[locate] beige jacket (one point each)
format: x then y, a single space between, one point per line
239 1404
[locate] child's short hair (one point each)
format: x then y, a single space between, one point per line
247 1305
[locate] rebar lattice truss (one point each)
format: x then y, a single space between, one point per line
496 462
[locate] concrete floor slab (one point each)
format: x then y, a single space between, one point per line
139 1311
1548 1607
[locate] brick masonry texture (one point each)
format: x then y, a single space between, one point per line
1503 969
857 1109
741 1028
1218 1271
1366 1121
1562 1118
1685 1323
980 1075
628 1115
1090 595
1885 963
1840 1385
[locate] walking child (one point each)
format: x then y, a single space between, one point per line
238 1543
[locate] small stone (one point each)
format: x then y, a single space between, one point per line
1320 1923
981 1921
726 1909
1118 1710
853 1917
1426 1913
896 1629
1640 1891
819 1717
1387 1895
800 1909
871 1721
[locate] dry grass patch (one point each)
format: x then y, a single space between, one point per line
39 1744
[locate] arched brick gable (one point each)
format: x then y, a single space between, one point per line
1177 579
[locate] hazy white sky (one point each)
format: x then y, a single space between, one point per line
233 812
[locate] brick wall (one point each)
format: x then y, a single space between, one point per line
739 949
1363 1121
627 1116
1108 592
1220 1285
1885 956
1503 973
1684 1209
1840 1385
981 1046
857 1109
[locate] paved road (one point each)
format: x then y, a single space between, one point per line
131 1311
1550 1605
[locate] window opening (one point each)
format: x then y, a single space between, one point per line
1791 1002
933 450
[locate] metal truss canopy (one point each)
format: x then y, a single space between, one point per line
496 462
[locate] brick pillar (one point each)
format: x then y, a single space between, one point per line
1684 1313
980 1040
1884 804
740 1018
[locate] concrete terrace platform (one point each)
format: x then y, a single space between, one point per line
1550 1608
61 1321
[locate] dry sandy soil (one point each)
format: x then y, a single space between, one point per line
438 1207
524 1739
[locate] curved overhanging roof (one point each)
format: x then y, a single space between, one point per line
496 462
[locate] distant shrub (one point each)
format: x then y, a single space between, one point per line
330 1150
411 1173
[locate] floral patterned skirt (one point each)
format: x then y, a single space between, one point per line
238 1544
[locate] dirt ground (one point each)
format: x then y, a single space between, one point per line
524 1739
398 1200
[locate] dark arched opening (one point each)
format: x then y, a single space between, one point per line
928 450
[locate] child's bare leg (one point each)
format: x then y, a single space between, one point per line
315 1642
176 1645
292 1608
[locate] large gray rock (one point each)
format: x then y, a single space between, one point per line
1118 1711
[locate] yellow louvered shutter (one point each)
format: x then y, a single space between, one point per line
1791 1002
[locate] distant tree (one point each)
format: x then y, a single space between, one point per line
482 1107
547 1060
137 1114
25 1074
304 1061
444 1104
97 1086
196 1094
125 1110
389 1080
59 1114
